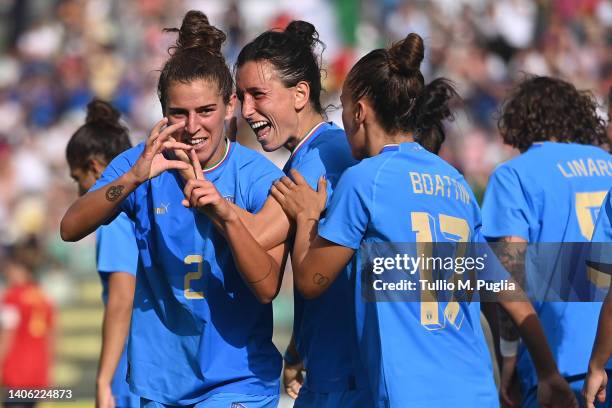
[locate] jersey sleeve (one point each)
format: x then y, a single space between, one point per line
312 168
348 213
261 173
505 211
117 247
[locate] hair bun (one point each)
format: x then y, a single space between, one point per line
197 33
304 31
102 113
405 56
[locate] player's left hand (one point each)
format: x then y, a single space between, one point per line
181 155
203 195
594 388
505 387
555 392
104 396
293 378
298 198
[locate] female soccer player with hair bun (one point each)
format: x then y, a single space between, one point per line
201 332
416 353
90 149
278 80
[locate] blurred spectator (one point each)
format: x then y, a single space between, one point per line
26 324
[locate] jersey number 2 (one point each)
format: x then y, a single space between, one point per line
191 276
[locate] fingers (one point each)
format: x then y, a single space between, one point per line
156 129
199 193
590 391
176 146
506 398
176 164
601 395
588 399
197 167
169 130
297 177
284 185
232 129
278 196
293 389
322 184
156 142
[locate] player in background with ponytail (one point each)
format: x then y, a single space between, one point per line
90 149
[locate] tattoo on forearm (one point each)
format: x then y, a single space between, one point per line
320 279
512 256
507 328
114 192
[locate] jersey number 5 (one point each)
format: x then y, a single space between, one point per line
586 205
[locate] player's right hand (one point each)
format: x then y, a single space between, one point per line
296 197
555 392
104 397
505 387
293 379
152 161
594 387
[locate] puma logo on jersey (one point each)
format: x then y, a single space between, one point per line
162 209
237 405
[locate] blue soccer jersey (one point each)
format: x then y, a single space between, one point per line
603 226
600 251
116 251
197 330
416 354
551 193
323 327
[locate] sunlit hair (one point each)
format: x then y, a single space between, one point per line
543 108
391 80
196 55
292 54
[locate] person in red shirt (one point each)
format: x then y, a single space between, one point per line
26 330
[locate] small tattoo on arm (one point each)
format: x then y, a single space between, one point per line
114 192
320 279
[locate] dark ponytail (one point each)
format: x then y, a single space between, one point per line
196 55
102 136
392 82
292 54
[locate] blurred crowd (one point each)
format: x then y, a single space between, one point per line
56 55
